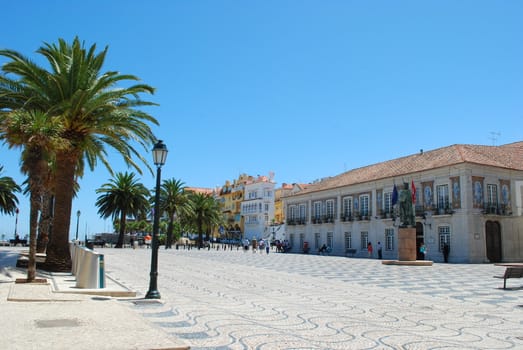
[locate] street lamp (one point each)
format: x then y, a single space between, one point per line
159 157
77 223
16 222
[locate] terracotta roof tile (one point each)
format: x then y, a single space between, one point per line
508 156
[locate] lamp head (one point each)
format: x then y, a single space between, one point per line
159 153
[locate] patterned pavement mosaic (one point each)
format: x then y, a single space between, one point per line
235 300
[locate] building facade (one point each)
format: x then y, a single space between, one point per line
257 207
466 196
279 213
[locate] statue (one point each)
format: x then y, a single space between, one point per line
406 213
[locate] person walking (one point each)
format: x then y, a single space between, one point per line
147 240
379 250
422 251
369 249
446 251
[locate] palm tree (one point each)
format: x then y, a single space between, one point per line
93 111
38 135
205 213
8 199
173 199
121 197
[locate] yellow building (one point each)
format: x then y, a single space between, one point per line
279 213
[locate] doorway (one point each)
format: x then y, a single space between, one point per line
493 241
419 240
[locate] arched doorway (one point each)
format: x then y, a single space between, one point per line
493 241
419 239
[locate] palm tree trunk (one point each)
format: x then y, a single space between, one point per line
200 233
44 225
170 228
58 255
121 235
33 222
36 169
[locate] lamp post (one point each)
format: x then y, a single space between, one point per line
159 157
77 223
16 222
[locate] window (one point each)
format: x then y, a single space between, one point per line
317 210
292 212
347 207
329 209
443 196
387 202
348 240
252 219
389 239
492 196
329 239
364 206
444 236
266 207
364 240
303 214
317 240
292 238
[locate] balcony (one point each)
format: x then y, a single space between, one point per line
347 218
386 214
363 216
496 209
328 219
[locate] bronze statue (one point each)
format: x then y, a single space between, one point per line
406 212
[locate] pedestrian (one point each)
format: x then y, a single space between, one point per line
267 246
422 251
380 255
261 245
369 249
446 251
147 240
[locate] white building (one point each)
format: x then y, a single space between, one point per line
468 196
257 208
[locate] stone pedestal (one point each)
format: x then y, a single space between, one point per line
407 244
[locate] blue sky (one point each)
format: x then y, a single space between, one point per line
305 89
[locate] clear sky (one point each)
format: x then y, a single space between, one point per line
305 89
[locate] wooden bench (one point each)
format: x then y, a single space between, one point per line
511 272
16 242
350 252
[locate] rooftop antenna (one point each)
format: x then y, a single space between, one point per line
494 137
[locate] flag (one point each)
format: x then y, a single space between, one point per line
413 192
394 195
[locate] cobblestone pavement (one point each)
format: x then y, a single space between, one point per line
236 300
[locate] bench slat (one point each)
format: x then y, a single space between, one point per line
511 272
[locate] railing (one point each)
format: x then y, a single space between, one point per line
496 209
